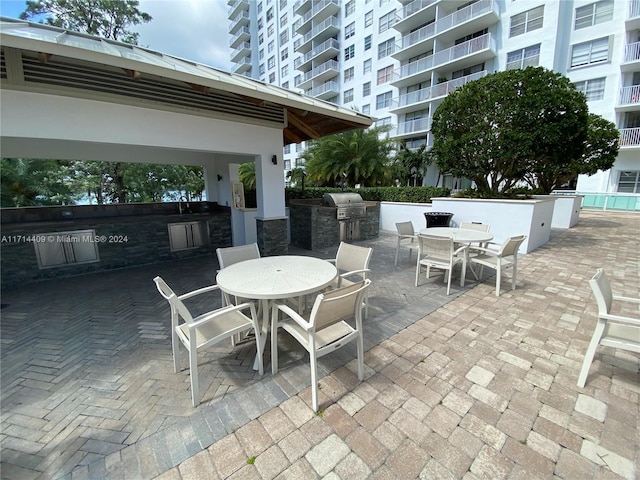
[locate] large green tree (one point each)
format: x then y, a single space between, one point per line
26 182
350 158
410 165
508 125
105 18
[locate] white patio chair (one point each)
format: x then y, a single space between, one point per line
615 331
327 328
480 227
440 252
506 256
352 262
407 234
202 331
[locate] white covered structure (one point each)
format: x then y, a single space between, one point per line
67 95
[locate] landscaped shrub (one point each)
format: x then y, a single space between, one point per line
379 194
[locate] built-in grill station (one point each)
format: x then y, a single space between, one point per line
350 209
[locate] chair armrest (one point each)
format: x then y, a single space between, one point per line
486 251
210 288
332 260
295 316
626 299
353 272
461 249
621 319
207 317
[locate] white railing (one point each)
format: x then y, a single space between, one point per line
413 68
243 46
632 52
450 21
242 31
411 126
462 50
605 200
629 95
630 137
414 7
634 9
329 22
330 65
411 98
234 22
443 89
331 86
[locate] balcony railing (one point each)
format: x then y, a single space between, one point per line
314 10
241 32
414 7
462 50
634 9
630 95
326 45
329 22
413 68
632 52
411 98
450 21
630 137
244 16
412 126
330 65
332 86
444 89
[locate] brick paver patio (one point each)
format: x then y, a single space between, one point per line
468 386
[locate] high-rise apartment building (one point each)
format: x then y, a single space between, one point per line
397 60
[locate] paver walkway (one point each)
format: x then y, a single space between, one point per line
466 386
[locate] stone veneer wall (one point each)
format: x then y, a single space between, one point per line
272 236
147 241
316 227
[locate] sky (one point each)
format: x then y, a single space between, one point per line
196 30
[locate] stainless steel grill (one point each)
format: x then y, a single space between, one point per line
347 205
350 208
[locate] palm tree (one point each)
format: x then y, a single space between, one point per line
354 157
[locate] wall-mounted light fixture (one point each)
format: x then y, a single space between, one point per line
219 177
274 159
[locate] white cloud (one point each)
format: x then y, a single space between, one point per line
195 30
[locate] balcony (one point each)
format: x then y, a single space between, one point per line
412 15
444 89
322 73
324 51
633 16
238 6
410 101
325 91
407 73
629 99
243 35
414 127
241 21
242 51
629 137
244 65
631 59
301 6
328 28
320 12
472 17
480 49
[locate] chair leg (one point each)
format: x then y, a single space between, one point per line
314 381
397 249
193 371
463 274
175 347
360 350
591 351
498 275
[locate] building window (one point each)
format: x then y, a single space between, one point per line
272 77
283 4
260 24
368 19
366 109
284 71
260 39
284 36
468 71
271 62
284 54
367 42
261 54
270 30
349 74
386 48
386 21
270 14
593 14
629 182
283 20
349 8
350 30
348 96
287 149
593 89
589 53
285 85
349 52
366 89
287 164
525 57
261 69
270 46
385 74
366 66
383 100
260 7
526 21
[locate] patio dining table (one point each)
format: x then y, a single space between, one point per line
459 235
274 278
